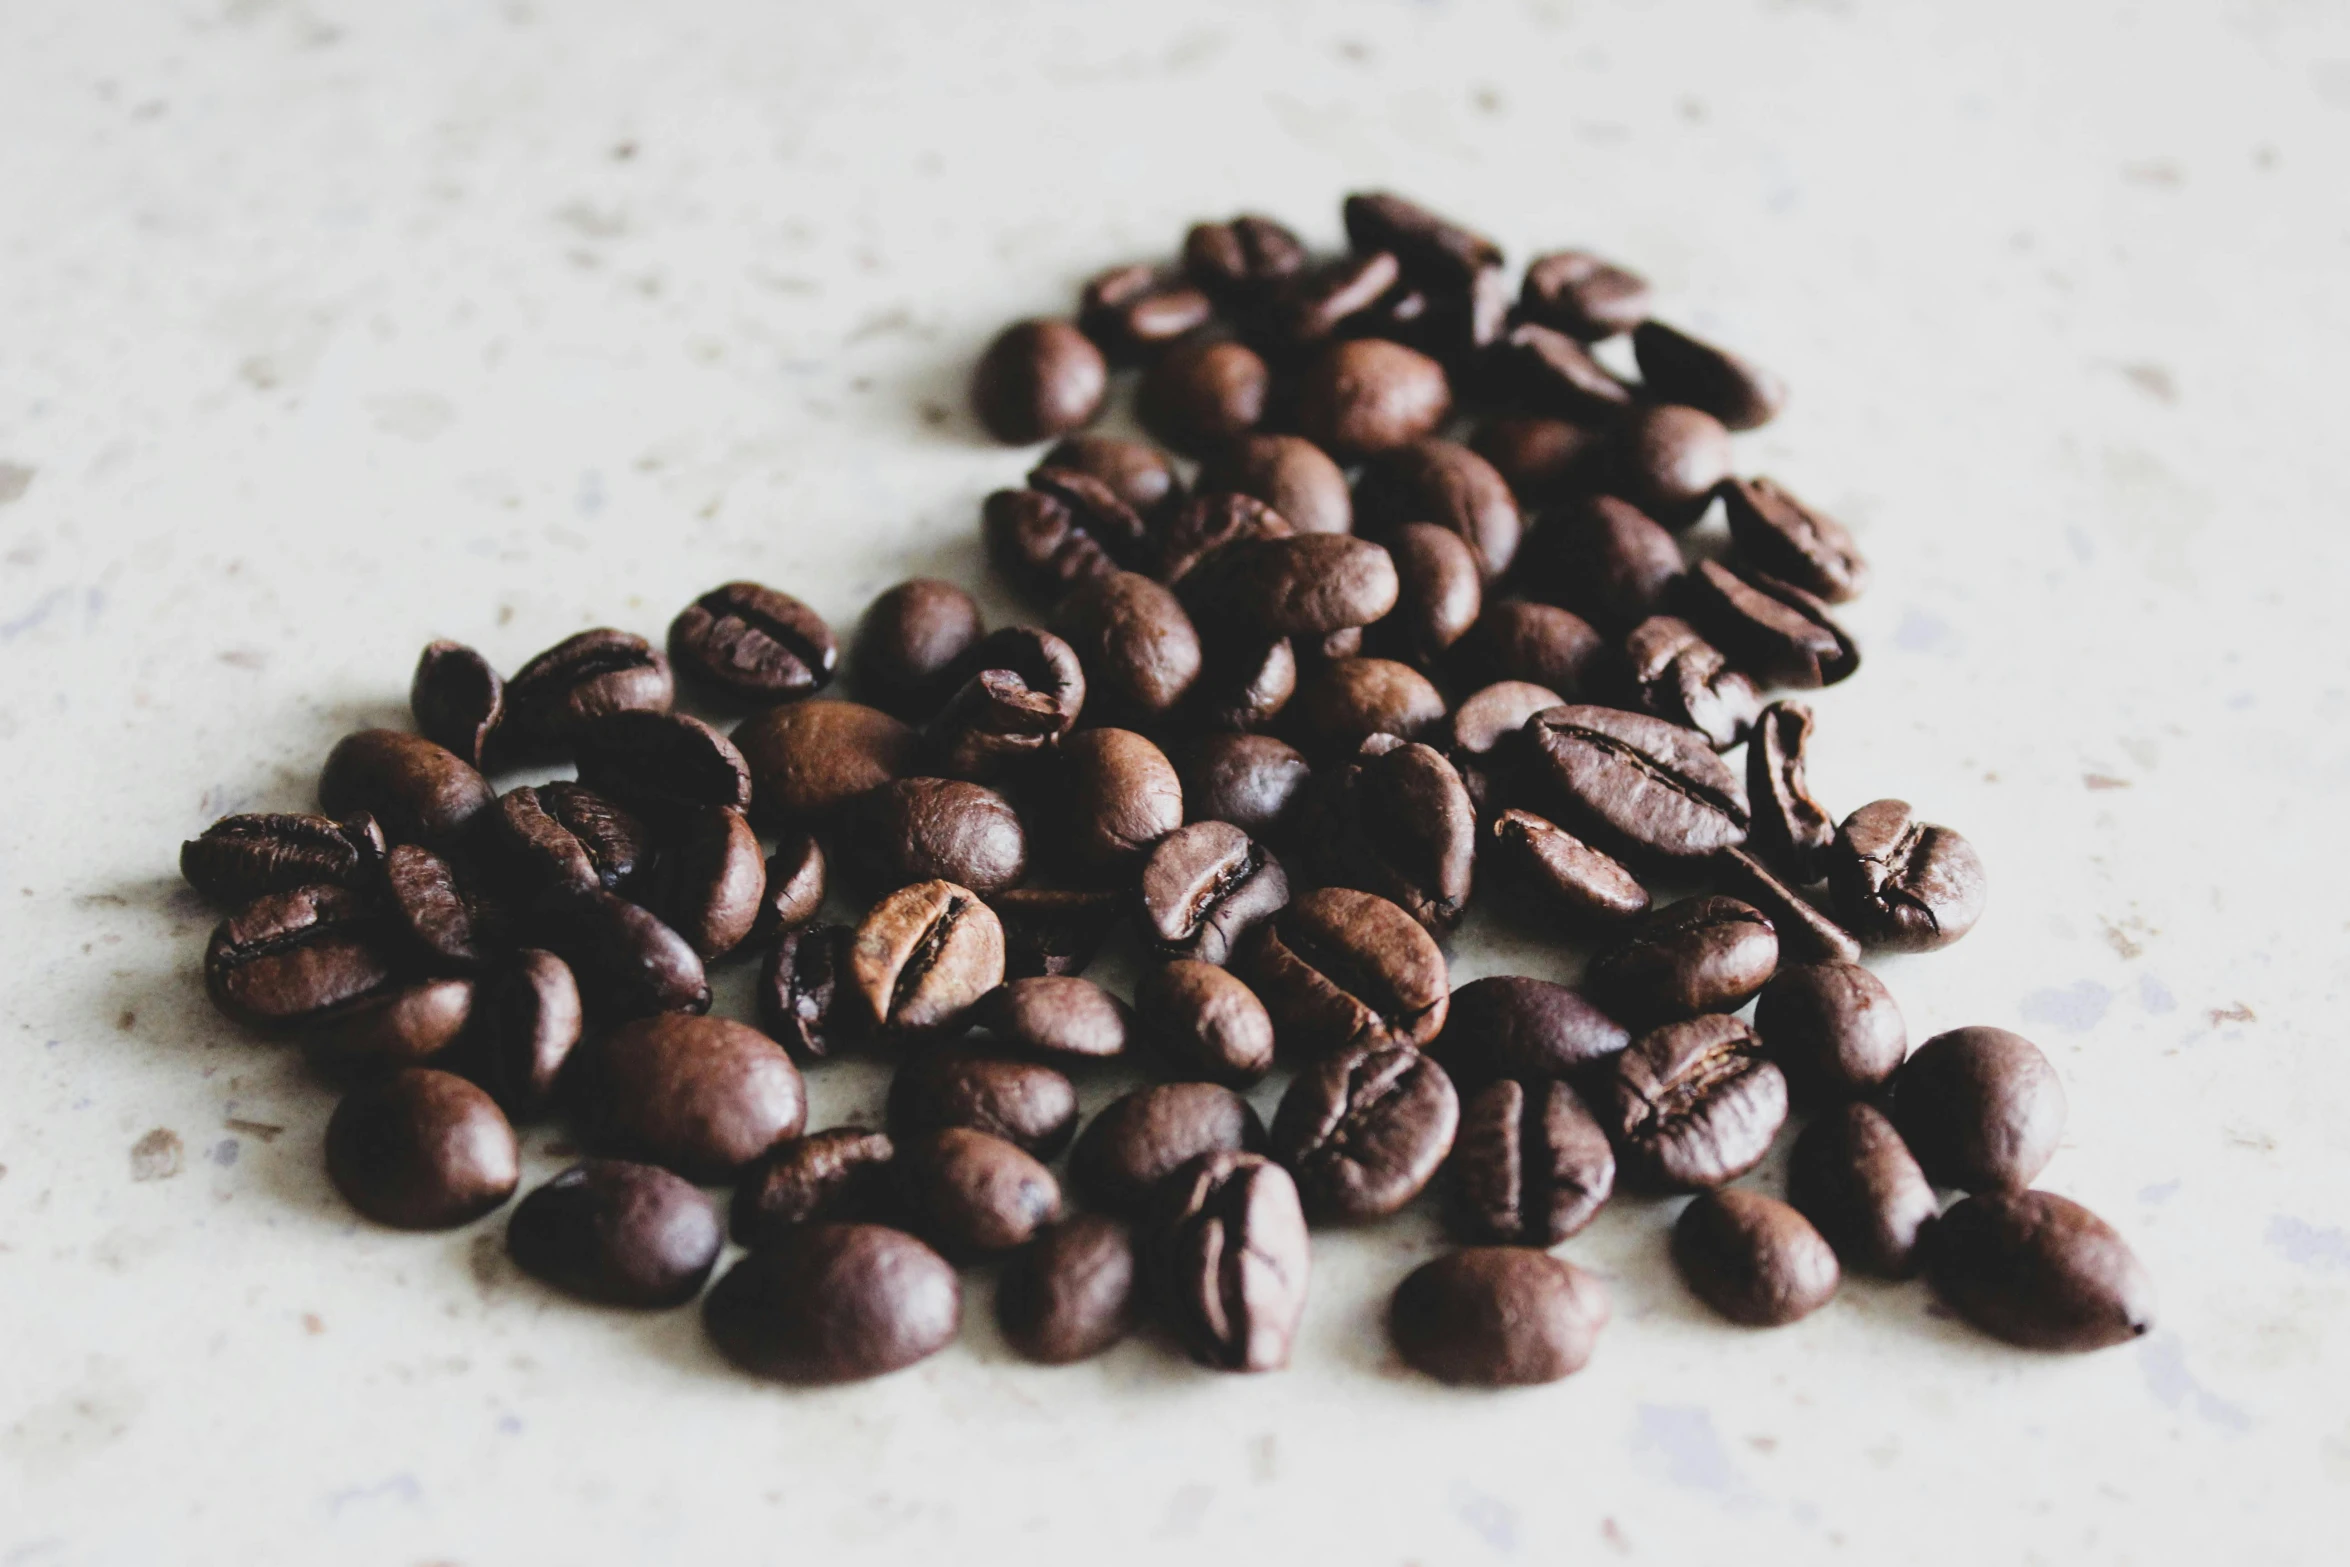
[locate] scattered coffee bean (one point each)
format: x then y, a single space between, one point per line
412 1026
923 955
713 881
1494 715
458 700
704 1096
1241 261
1981 1108
1833 1028
1243 685
1543 458
629 963
754 644
835 1303
1399 824
1636 783
1340 968
618 1234
1603 558
809 759
834 1177
1025 697
528 1022
1753 1258
1774 628
1530 1167
2040 1271
1668 461
1549 372
1365 1130
1563 877
1528 1029
447 929
1788 540
1288 473
805 999
1204 1022
1706 954
1204 887
1695 1104
618 845
1141 1140
1518 640
798 875
1678 676
1023 1102
1054 930
579 680
1204 392
1333 297
911 645
660 762
289 958
1056 1016
1497 1316
1071 1293
1123 798
1230 1261
1447 484
1583 296
1207 525
417 791
1804 932
972 1195
1308 585
1068 529
1854 1178
1137 472
1681 369
1348 700
1037 380
1140 651
1902 884
1440 598
934 829
421 1150
1253 782
1134 311
1791 831
1366 395
240 858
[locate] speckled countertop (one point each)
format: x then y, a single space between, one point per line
326 328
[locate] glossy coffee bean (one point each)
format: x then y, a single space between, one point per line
1753 1258
528 1021
421 1150
1854 1178
1981 1108
1695 1104
1243 685
1240 261
1399 824
1308 585
923 955
1603 558
1492 717
1560 876
1203 1021
1512 1026
972 1195
910 646
1252 781
1446 484
1022 1102
240 858
1348 700
1340 968
628 961
1364 1131
1518 640
1367 395
416 791
1530 1167
299 957
1498 1316
1783 538
798 874
1635 783
1542 457
2040 1271
1805 933
661 762
1668 460
457 699
1037 380
704 1096
1025 697
1132 312
1054 930
1288 473
1123 797
1833 1028
1205 887
1707 954
1053 535
1777 630
1679 368
1071 1293
1204 392
1141 1140
1195 533
1676 675
839 1176
1056 1016
754 644
713 881
447 929
413 1025
1432 246
1137 472
1440 598
557 831
1582 295
1902 884
618 1234
1548 372
835 1303
1792 832
579 680
809 759
934 829
1140 650
1230 1261
1337 297
806 1000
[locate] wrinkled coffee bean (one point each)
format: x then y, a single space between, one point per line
935 829
1206 886
629 963
2040 1271
411 1026
617 844
1054 930
1056 1015
579 680
704 1096
922 957
618 1234
833 1303
1981 1108
1805 933
1753 1258
910 646
1137 472
239 858
1123 798
1773 628
803 996
1137 1142
1497 1316
1340 968
1530 1167
528 1022
1450 486
1833 1028
1636 783
416 791
798 875
1023 1102
1026 696
1252 781
539 854
1518 640
1695 1104
421 1150
1205 526
972 1195
448 930
1399 824
1204 1022
753 643
712 880
1583 296
299 957
1678 676
1230 1261
1048 538
1242 260
1140 651
1204 392
1288 473
661 762
832 1177
1698 955
1562 876
1071 1293
808 759
1678 368
1440 598
1037 380
458 700
1508 1025
1549 372
1134 311
1365 1130
1367 395
1348 700
1790 541
1852 1176
1603 558
1541 457
1308 585
1668 460
1791 831
1901 884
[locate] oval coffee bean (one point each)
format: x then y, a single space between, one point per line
1853 1177
808 759
1432 247
1137 1142
1530 1167
1071 1293
935 829
1134 311
421 1150
1307 585
1541 644
629 963
457 699
1549 372
1251 781
1022 1102
835 1303
1563 876
1340 968
1348 700
1541 457
2040 1271
805 1000
1124 797
1695 1104
1833 1028
910 646
754 644
1753 1258
1366 395
1580 294
1981 1108
923 955
1056 1015
1288 473
1204 392
1364 1131
1054 930
1641 784
417 791
1243 686
1399 824
447 929
1668 460
972 1195
579 680
1242 260
1205 887
704 1096
618 1234
1450 486
1791 831
1781 633
410 1026
1137 472
527 1024
1507 1025
567 822
1204 1022
1204 527
1048 540
1678 676
1603 558
1788 540
239 858
798 875
661 761
713 882
299 956
1441 595
1697 955
1497 1316
1339 295
1140 652
1493 717
535 852
1901 884
1679 368
839 1176
1230 1261
1027 694
1037 380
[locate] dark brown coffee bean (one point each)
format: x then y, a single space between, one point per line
617 844
1398 824
416 791
1308 585
1320 303
1507 1025
1549 372
421 1150
1230 1260
754 644
659 762
972 1195
1695 1104
1140 651
1205 526
1367 395
1853 1177
299 957
1497 1316
537 853
1440 598
448 928
1243 685
1790 541
1139 1141
712 880
1241 261
1791 830
1071 1293
1697 955
835 1303
1288 473
1124 797
1562 876
1204 1022
527 1024
833 1177
1052 536
458 700
805 999
1251 781
1636 783
1134 311
1668 460
1206 886
579 680
1901 884
1432 247
1037 380
1054 930
1583 296
1023 1102
1444 483
798 875
935 829
1348 700
2040 1271
704 1096
412 1026
1774 628
1679 368
911 644
1365 1131
1753 1258
1137 472
808 759
618 1234
239 858
1603 558
1678 676
1833 1028
1805 933
1530 1167
1541 644
1541 457
1026 696
923 955
1981 1108
1204 392
628 961
1056 1016
1340 968
1493 717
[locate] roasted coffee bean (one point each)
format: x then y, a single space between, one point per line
1203 392
803 999
1340 968
1507 1025
1336 645
1137 472
1804 932
1140 652
1697 955
1365 1130
834 1177
704 1096
239 858
1241 261
808 759
421 1150
1444 483
1520 640
754 644
1023 1102
1853 1177
1348 700
1833 1028
449 930
1790 541
1774 628
1321 302
1440 598
1134 311
1902 884
1540 456
299 956
1205 526
935 829
835 1303
618 1234
536 852
1583 296
972 1195
1753 1258
1398 824
1056 1015
1981 1108
1123 798
1695 1103
1288 473
911 645
1668 460
1230 1261
1679 368
798 875
1137 1142
1204 1022
1562 876
1308 585
1497 1316
458 700
1636 783
617 844
579 680
412 1026
1054 930
1071 1293
660 762
1791 830
1050 537
1243 685
1458 270
1366 395
1037 380
1549 372
1603 558
2040 1271
712 880
1026 696
1530 1167
1493 717
628 961
1206 886
416 791
923 955
527 1024
1678 676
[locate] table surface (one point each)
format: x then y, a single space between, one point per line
329 328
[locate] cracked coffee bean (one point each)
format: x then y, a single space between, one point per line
457 699
1229 1261
240 858
934 829
528 1021
421 1150
1023 1102
2039 1271
1575 292
1753 1258
617 1234
1530 1167
802 1001
1340 968
1139 1141
579 680
1497 1316
1603 558
1024 698
1790 541
704 1096
537 852
1071 1293
1833 1028
1901 884
416 791
1791 830
1204 1022
1056 1016
1207 525
972 1195
1204 887
1781 633
299 957
1288 473
910 646
1698 955
1038 379
839 1176
1636 783
1053 930
1399 824
809 759
1981 1108
1364 1131
1446 484
830 1303
1853 1177
798 875
1678 676
1509 1025
628 961
754 644
923 956
1563 877
1695 1104
450 929
1678 368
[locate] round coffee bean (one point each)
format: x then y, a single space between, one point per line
1695 1105
1788 540
1137 472
1697 955
458 700
935 829
1636 783
754 644
704 1096
805 998
1498 1316
1230 1260
410 1026
1681 369
1140 652
240 858
1510 1026
528 1024
1204 392
2040 1271
835 1303
1251 781
1530 1167
1124 797
911 644
837 1176
1139 1141
1753 1258
1854 1178
1603 558
1288 473
1563 876
1204 1022
419 792
1833 1028
1027 694
1347 700
1364 1131
1037 380
972 1195
1901 884
628 962
1205 887
808 759
1366 395
421 1150
299 957
1340 968
579 680
1981 1108
1540 456
1441 596
1674 674
1583 296
1667 460
618 1234
1071 1293
923 955
1791 829
1022 1102
1056 1015
1448 485
712 880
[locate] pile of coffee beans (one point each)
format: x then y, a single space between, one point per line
1293 699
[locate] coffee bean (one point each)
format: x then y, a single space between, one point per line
911 644
1140 651
704 1096
1753 1258
1563 877
1583 296
1497 1316
1440 598
458 700
1204 1022
1508 1025
447 928
1071 1293
804 999
808 759
1365 1130
1133 312
1549 372
1603 558
299 956
1308 585
658 762
1541 644
1288 473
1340 968
754 644
1790 541
414 1025
1204 392
712 880
1067 527
1854 1178
1774 628
1242 260
923 955
1678 368
1366 395
417 792
1494 716
1668 460
1243 685
1981 1108
1791 830
1037 380
1541 457
1833 1028
1137 472
1054 930
2040 1271
1230 1261
617 844
1447 484
629 963
1398 824
618 1234
1530 1167
1056 1016
1348 700
1636 783
1698 955
526 1025
1432 248
421 1150
1332 647
972 1195
839 1176
833 1303
1902 884
1318 304
1025 697
935 829
797 876
1804 932
1022 1102
1141 1140
239 858
1695 1104
1205 887
535 852
1678 676
579 680
1123 798
1205 526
